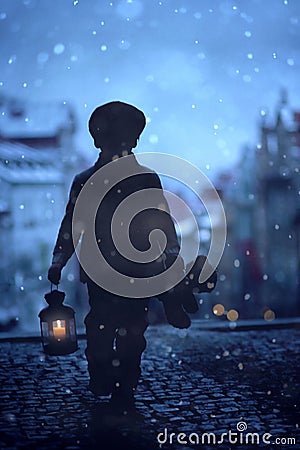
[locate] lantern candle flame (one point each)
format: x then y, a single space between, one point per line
59 329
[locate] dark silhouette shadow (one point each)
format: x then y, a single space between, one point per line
115 324
116 427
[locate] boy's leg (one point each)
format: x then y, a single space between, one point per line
100 332
130 344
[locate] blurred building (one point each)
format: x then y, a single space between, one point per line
259 274
38 158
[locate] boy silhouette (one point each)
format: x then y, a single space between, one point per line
115 325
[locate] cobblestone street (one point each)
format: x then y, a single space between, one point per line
194 382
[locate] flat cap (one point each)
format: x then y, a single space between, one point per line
117 119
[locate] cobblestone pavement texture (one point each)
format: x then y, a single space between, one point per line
193 381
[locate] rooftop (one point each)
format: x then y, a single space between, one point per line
26 119
21 164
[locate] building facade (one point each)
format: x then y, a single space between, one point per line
260 271
38 159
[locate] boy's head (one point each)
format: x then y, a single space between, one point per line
116 127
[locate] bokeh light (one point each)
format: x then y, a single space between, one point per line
218 309
232 315
269 315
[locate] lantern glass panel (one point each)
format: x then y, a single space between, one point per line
72 330
45 332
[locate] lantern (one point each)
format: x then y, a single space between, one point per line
58 327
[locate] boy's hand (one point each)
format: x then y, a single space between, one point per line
54 273
175 314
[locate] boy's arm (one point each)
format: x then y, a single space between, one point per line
64 247
172 247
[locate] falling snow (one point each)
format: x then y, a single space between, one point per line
202 102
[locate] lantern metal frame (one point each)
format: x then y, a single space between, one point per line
62 339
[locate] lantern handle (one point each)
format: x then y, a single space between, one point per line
51 286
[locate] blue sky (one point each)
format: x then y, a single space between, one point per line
201 70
